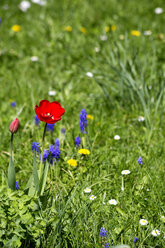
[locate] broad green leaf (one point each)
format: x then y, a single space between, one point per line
11 175
35 173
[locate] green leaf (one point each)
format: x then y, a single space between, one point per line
43 179
35 173
11 175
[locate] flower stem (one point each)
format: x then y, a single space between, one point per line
42 151
122 183
11 146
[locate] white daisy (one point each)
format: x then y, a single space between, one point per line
155 232
52 93
92 197
97 49
141 118
40 2
143 222
24 6
112 202
89 74
87 190
158 10
147 32
34 58
103 37
116 137
125 172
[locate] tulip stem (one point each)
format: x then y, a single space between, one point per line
41 163
11 145
43 138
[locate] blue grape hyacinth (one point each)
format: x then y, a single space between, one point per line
35 147
37 121
140 160
50 127
77 141
103 232
13 104
83 120
17 185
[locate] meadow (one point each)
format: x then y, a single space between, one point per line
101 183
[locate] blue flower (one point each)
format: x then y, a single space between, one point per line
0 20
53 154
140 160
50 127
63 130
35 146
13 104
106 245
135 240
45 155
37 121
103 232
83 120
57 142
77 141
17 185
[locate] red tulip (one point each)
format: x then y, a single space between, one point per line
49 112
14 126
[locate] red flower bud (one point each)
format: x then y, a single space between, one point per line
14 126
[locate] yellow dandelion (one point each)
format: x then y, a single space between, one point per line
16 28
68 28
107 29
83 30
72 162
160 36
135 33
90 117
84 151
113 27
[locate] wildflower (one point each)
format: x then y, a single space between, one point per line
116 137
83 30
90 117
141 118
84 151
89 74
72 162
106 245
103 232
158 10
16 28
121 36
160 36
147 32
24 6
45 155
135 33
140 160
13 128
63 130
68 28
143 222
57 142
49 112
92 197
87 190
83 120
97 49
37 121
112 202
113 27
50 127
52 93
103 37
125 172
77 141
54 152
107 29
135 240
155 232
17 185
35 146
39 2
13 104
34 58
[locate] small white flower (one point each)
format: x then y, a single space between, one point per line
155 232
147 32
141 118
89 74
92 197
103 37
97 49
113 202
34 58
149 87
148 189
158 10
121 37
143 222
125 172
116 137
52 93
24 6
40 2
87 190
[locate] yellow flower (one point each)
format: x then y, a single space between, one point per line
16 28
135 33
84 151
113 27
90 117
72 162
107 29
68 28
83 30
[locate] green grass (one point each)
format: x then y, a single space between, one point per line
128 82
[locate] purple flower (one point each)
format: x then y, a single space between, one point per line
106 245
13 104
57 142
77 141
50 127
53 154
135 239
45 155
83 120
140 160
37 121
103 232
35 146
63 130
17 185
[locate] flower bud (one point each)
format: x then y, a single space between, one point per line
14 126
